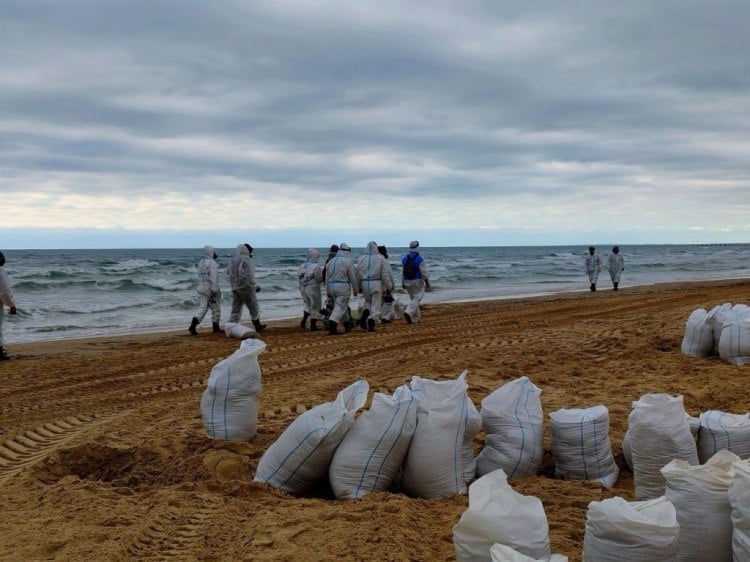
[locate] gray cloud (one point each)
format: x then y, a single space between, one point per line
471 111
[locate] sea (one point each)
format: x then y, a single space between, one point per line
64 294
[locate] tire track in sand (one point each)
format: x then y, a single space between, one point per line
25 449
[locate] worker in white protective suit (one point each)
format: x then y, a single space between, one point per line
209 295
592 265
6 299
375 278
241 276
616 265
310 277
415 279
341 283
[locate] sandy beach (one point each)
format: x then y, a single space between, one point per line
103 455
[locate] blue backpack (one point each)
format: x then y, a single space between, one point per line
411 267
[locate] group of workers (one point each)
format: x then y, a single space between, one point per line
371 276
593 265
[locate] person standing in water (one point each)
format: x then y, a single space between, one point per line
6 299
616 265
593 265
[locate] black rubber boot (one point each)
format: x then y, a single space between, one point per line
332 328
363 319
193 326
303 323
216 328
314 325
3 355
407 317
616 286
258 326
371 325
593 287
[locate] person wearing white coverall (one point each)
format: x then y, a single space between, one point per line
241 276
616 265
6 299
209 295
341 282
592 264
310 276
375 278
415 283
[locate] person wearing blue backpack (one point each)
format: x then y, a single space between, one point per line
414 278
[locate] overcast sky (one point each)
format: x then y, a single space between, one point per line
297 123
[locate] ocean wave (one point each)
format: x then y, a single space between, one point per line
131 265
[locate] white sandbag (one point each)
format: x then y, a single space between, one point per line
700 497
504 553
581 447
440 461
659 433
698 340
739 499
512 420
371 454
720 430
621 531
229 405
239 331
499 514
693 424
717 316
302 454
734 342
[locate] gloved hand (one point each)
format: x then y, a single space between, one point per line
257 288
13 310
214 297
426 283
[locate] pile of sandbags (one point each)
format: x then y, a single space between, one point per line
724 330
420 438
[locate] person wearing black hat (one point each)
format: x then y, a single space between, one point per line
6 299
414 278
593 265
241 276
341 283
616 265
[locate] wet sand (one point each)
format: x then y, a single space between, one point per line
103 455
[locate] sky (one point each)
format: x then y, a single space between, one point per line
302 123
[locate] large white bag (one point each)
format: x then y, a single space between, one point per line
717 316
734 342
581 447
499 514
698 340
621 531
739 499
302 454
512 420
229 405
503 553
659 433
440 461
693 423
700 498
720 430
239 331
371 454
